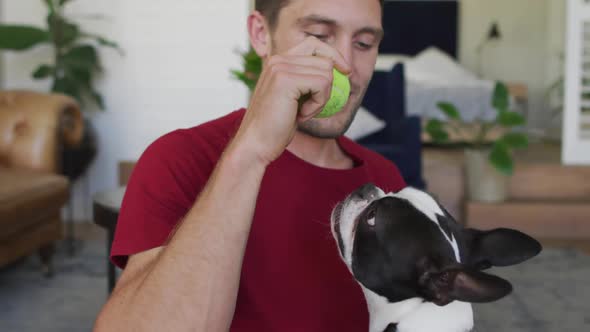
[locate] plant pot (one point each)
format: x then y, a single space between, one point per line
484 183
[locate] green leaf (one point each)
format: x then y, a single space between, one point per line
250 83
63 2
450 110
98 99
434 124
436 130
71 32
63 32
82 76
19 37
252 68
515 140
81 57
511 119
439 136
500 158
43 71
102 41
500 98
108 43
252 63
49 4
66 86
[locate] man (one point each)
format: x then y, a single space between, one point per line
225 226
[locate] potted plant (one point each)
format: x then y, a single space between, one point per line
71 69
489 162
252 68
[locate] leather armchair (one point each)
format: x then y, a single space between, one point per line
34 128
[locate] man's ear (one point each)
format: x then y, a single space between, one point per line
259 32
498 247
464 285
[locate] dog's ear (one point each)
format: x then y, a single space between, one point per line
498 247
464 285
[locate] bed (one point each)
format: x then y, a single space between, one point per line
423 35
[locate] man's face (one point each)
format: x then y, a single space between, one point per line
353 28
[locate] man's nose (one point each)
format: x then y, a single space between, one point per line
345 49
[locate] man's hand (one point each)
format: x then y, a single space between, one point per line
292 88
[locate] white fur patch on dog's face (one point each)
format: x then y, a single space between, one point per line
343 221
427 205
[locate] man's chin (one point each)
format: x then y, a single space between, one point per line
328 128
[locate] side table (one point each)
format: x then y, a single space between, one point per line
106 206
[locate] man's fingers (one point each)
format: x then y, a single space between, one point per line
311 79
314 91
304 60
316 48
299 69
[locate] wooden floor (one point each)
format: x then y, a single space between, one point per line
539 177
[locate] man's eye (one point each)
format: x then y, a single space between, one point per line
364 46
318 36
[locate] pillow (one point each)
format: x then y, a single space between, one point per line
434 66
364 124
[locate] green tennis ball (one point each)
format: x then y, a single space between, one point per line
338 97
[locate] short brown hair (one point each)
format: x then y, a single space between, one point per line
271 9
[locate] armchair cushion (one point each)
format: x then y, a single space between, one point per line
28 196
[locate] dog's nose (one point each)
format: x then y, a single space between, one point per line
367 192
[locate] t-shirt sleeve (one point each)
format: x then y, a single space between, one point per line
395 178
163 187
390 177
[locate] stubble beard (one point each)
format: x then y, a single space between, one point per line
318 129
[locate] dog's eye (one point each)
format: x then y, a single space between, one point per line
371 218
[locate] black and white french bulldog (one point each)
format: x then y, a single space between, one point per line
418 268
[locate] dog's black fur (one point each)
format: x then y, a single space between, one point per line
429 270
400 253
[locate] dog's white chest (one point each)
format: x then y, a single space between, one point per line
415 315
454 317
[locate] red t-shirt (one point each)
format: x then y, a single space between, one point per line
292 277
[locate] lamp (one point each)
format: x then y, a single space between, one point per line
493 35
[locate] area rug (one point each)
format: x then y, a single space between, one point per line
551 293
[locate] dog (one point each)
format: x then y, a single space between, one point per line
418 268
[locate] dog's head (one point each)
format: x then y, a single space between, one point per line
405 245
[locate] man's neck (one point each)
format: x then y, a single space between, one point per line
320 152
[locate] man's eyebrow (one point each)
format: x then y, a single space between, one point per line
377 32
316 19
319 19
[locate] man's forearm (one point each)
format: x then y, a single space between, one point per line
193 283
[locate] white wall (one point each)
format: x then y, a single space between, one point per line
532 36
175 72
178 55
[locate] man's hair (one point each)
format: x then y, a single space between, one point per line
271 9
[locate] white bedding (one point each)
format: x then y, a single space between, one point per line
432 76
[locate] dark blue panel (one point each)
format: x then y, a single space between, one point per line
412 26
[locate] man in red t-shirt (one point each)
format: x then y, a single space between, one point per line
225 226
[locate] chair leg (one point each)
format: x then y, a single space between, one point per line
46 255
